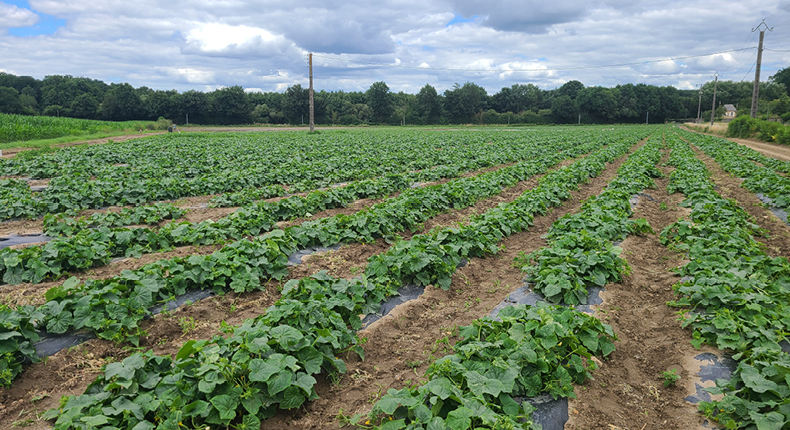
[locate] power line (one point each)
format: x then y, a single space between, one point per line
782 23
747 73
743 66
778 11
740 54
556 69
776 50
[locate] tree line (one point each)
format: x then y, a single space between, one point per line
462 104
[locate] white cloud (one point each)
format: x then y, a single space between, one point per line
210 43
214 37
14 17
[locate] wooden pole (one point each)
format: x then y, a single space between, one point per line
756 90
312 104
713 108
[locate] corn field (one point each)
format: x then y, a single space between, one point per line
15 128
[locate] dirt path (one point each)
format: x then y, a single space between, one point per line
775 150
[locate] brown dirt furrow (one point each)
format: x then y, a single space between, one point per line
777 240
70 371
627 391
401 345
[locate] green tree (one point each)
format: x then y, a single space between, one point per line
379 99
564 108
55 110
230 106
160 104
599 102
121 103
570 89
85 106
429 107
782 77
196 105
9 101
296 106
463 103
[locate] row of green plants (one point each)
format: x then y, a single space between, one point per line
246 196
770 131
758 179
580 253
94 247
170 167
734 296
112 308
497 364
269 362
61 225
758 157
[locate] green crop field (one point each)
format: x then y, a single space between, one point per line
133 225
20 128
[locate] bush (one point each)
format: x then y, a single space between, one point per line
786 118
160 124
768 131
743 127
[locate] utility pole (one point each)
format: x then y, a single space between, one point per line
312 114
580 119
647 115
187 119
756 91
699 105
715 87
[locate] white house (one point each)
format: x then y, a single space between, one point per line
729 112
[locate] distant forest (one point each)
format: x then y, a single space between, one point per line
462 104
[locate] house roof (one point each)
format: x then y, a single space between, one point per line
730 108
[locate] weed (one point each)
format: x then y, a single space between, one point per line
373 397
494 288
670 378
663 206
187 324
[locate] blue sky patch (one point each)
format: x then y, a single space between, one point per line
18 3
47 24
459 19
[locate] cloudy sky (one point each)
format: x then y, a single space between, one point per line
206 44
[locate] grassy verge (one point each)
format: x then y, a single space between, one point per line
719 129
